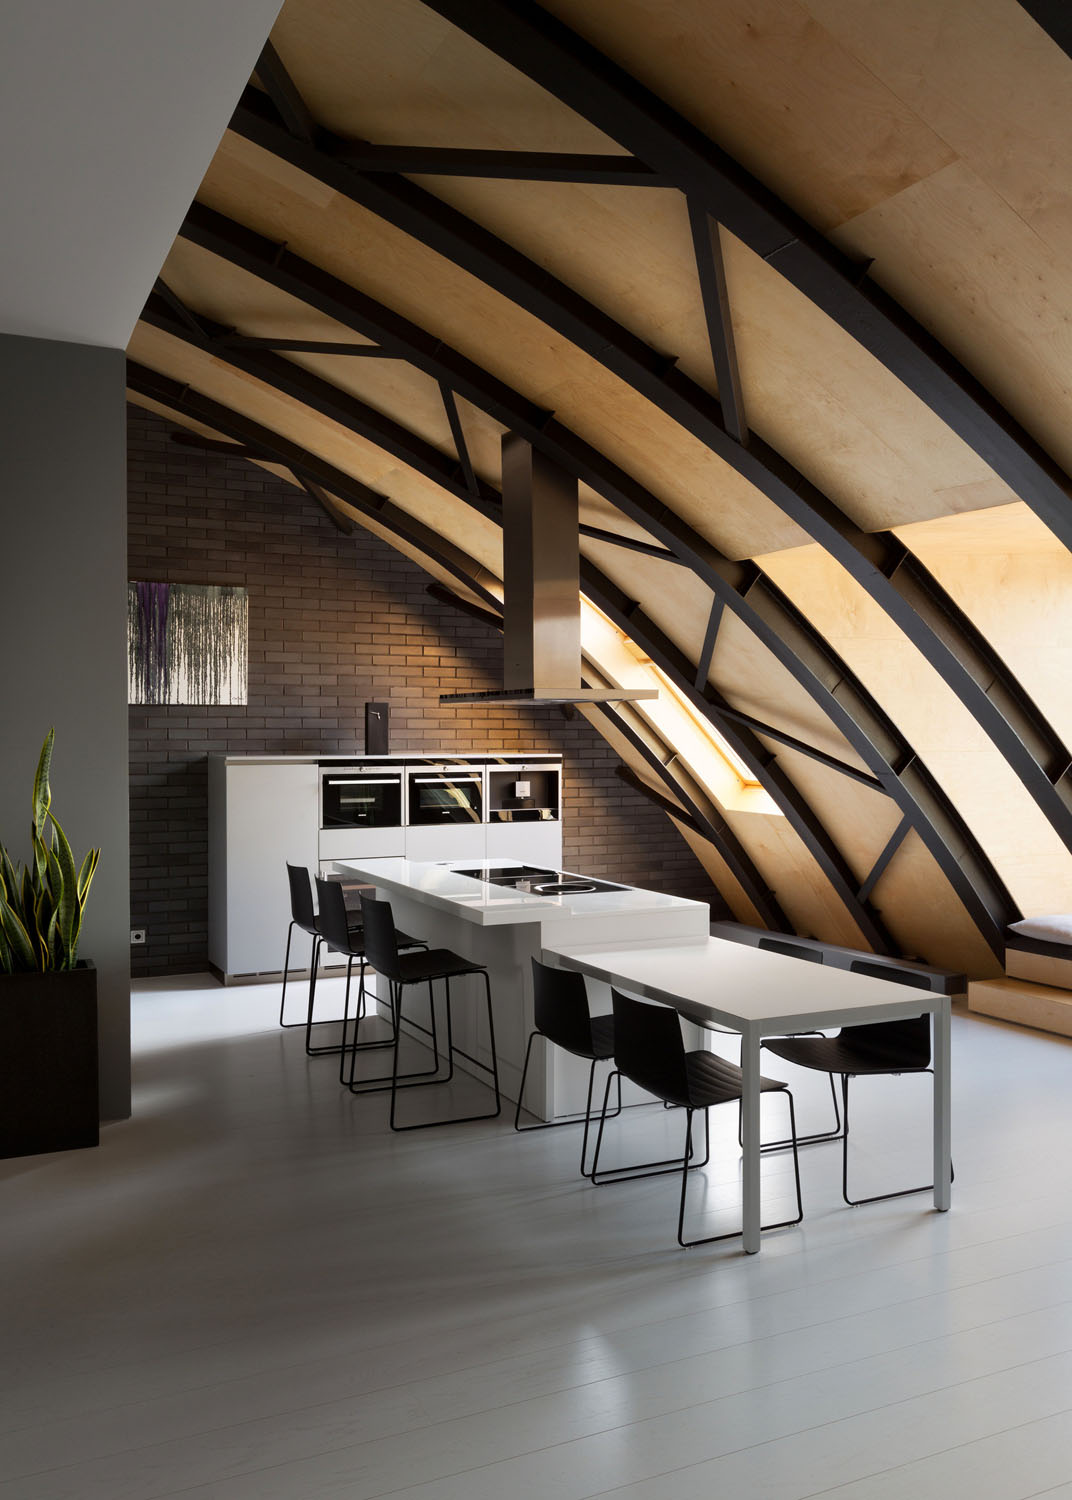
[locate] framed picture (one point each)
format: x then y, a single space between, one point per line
187 643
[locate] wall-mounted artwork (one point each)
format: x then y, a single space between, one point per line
186 643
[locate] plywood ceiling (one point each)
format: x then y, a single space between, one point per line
901 130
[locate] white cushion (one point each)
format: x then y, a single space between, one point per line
1057 929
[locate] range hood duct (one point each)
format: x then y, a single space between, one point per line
541 588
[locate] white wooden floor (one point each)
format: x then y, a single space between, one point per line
253 1291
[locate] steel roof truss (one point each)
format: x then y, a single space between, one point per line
481 253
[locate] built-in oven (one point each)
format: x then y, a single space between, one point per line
439 795
360 797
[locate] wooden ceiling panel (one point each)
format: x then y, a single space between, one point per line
721 878
673 597
752 680
987 79
697 485
219 290
519 349
810 390
1034 863
628 250
743 670
774 88
923 914
858 819
840 416
1013 579
215 289
397 74
479 537
804 895
595 511
987 285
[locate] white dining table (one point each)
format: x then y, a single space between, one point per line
757 993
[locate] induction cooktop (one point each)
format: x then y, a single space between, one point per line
533 880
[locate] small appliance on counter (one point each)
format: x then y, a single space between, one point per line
532 798
377 728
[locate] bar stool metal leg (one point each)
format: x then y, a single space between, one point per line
397 1080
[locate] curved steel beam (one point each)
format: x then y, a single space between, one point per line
1055 18
740 586
703 818
450 234
306 466
546 51
631 620
719 834
791 802
927 809
260 442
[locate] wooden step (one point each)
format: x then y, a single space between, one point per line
1038 1005
1052 967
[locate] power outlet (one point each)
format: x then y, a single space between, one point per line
137 937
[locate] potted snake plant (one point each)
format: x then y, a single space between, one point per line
48 996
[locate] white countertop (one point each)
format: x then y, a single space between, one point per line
403 757
439 885
713 979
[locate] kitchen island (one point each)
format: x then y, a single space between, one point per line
504 926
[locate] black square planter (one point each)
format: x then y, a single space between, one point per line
48 1061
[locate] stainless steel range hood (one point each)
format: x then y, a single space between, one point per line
541 588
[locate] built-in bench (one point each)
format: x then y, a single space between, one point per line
1036 989
939 981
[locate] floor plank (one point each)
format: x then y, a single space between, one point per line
254 1289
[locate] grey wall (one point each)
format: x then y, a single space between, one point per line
63 658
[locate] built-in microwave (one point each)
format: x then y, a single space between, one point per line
445 794
360 797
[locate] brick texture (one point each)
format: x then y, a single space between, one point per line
334 621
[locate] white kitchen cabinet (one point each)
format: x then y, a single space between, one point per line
264 811
260 817
538 843
454 841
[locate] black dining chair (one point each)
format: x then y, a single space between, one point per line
650 1052
402 970
563 1019
881 1048
809 956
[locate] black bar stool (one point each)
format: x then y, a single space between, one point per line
401 970
339 931
303 916
562 1017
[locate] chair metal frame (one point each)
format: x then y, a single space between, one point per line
891 976
304 916
544 975
628 1013
345 937
381 953
818 1137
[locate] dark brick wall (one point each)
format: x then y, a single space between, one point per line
333 622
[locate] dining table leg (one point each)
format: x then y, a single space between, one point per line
751 1209
942 1107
